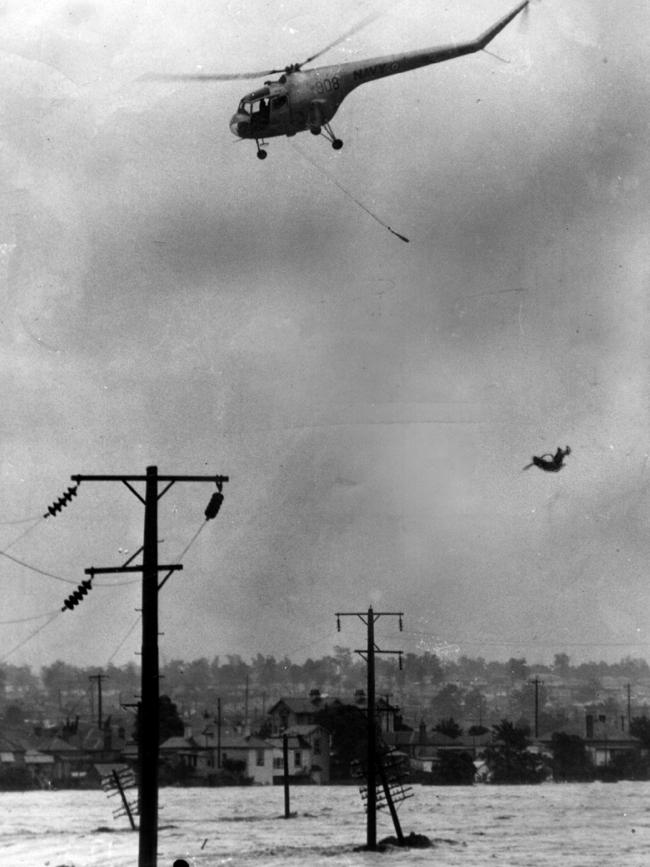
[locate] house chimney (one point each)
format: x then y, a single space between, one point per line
315 696
359 697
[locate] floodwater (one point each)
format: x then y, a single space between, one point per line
563 825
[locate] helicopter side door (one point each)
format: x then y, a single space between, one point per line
280 122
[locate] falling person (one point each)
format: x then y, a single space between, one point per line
550 463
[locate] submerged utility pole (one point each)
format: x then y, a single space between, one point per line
285 775
149 719
219 732
368 654
536 682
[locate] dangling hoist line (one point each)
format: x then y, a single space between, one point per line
349 195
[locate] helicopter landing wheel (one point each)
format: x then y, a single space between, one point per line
337 144
261 154
315 130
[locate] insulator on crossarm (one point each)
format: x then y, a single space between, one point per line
212 509
62 501
77 595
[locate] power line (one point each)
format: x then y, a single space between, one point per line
36 569
28 619
184 552
129 631
29 637
69 581
21 521
15 541
139 617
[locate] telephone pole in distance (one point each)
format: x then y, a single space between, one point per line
98 678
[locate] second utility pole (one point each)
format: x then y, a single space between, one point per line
371 760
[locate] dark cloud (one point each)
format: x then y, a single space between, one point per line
170 299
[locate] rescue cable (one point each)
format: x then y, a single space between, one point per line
348 194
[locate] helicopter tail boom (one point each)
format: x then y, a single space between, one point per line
356 73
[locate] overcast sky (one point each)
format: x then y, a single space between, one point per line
170 300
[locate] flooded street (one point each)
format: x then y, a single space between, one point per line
573 825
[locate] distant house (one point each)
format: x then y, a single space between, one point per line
68 763
308 753
202 761
257 755
183 755
424 748
296 711
289 712
604 740
12 753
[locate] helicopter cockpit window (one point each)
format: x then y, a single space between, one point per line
257 108
279 101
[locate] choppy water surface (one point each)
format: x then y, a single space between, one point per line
524 826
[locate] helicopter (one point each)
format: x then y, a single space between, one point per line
307 99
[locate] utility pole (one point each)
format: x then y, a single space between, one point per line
285 775
368 654
629 705
537 683
149 719
98 678
219 733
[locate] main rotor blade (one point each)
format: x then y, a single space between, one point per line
236 76
359 26
208 76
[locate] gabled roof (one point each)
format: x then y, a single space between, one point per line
54 745
603 733
298 705
11 745
305 730
237 742
294 741
434 739
178 743
311 704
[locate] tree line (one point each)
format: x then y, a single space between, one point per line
427 684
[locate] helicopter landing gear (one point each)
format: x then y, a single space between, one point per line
328 133
261 153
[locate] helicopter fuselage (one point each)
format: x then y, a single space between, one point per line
308 99
301 100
